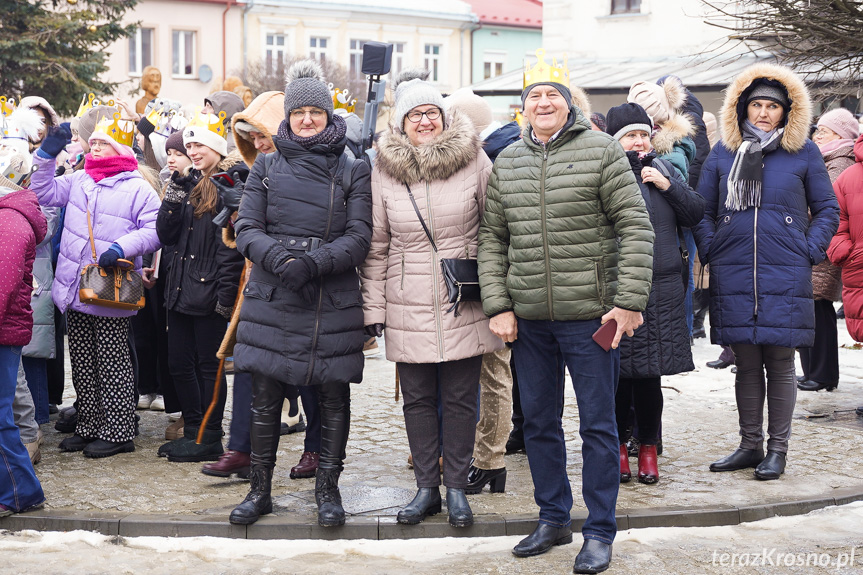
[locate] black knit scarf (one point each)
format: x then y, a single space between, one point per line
744 181
333 133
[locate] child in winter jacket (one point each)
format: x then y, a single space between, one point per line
22 226
111 198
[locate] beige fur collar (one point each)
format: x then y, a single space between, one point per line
799 117
672 131
455 148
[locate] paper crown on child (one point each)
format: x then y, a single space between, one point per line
121 131
542 71
90 101
20 126
342 99
211 122
161 119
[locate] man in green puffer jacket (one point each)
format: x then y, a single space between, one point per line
565 246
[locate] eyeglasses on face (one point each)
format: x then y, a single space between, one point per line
416 116
315 113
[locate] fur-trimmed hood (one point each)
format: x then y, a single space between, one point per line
451 151
264 114
798 118
580 100
671 132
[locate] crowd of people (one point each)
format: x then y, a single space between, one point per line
264 234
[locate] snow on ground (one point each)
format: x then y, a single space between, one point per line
829 540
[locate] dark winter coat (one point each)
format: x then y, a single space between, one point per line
201 270
761 258
498 140
296 192
661 345
22 226
846 248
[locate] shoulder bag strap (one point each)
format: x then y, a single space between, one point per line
90 229
420 216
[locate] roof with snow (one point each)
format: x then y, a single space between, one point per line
517 13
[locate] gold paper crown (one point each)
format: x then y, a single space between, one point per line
215 124
121 131
342 99
542 72
7 105
90 101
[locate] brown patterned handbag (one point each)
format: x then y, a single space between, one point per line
119 287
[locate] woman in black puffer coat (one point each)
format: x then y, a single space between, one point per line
661 345
305 222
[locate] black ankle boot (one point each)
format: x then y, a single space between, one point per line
258 502
740 459
329 500
772 467
457 506
210 448
426 502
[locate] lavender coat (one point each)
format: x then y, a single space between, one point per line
123 209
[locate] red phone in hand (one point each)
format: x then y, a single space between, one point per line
604 336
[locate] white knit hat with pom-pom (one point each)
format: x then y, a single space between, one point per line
412 90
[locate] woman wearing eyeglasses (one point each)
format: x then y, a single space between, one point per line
305 222
435 156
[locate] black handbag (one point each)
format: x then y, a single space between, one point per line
461 276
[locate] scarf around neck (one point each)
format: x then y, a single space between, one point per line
834 145
101 168
332 134
744 181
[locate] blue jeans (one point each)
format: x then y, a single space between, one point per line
19 487
541 350
36 370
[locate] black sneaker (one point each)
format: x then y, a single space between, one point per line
102 448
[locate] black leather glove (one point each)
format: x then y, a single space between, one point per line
374 330
53 142
230 195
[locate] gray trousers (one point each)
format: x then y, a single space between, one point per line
457 383
780 391
23 409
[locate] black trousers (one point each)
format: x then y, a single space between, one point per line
644 394
268 395
821 362
192 345
458 382
57 366
517 413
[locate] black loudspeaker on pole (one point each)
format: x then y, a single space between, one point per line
377 60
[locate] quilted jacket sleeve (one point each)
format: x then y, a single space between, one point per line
373 272
493 249
624 206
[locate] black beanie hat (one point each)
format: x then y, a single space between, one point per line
625 118
175 142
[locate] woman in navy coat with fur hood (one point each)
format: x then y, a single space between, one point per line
759 184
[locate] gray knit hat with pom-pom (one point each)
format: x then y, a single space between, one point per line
305 86
412 90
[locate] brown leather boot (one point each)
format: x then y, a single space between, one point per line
229 463
175 430
307 467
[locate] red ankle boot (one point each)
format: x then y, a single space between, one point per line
625 473
647 468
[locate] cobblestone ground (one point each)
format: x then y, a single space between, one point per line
699 426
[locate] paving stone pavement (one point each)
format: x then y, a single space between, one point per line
825 463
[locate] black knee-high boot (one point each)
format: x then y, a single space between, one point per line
335 403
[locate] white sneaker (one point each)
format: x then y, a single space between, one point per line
174 416
146 400
158 404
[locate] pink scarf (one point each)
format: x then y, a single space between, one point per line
835 145
101 168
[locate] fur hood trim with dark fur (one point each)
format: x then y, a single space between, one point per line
671 132
799 116
455 148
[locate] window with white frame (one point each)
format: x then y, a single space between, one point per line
275 52
183 61
493 63
140 50
356 58
432 61
398 61
625 6
319 48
